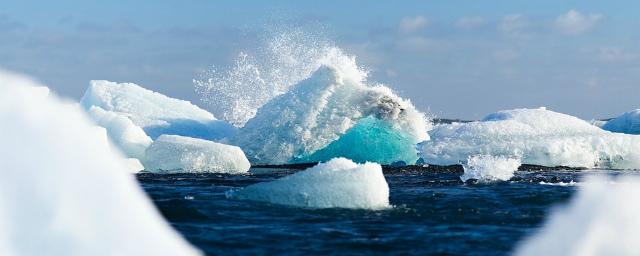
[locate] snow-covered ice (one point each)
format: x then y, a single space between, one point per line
537 136
602 219
489 168
63 190
128 137
177 154
334 113
338 183
628 122
155 113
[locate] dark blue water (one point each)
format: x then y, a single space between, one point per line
434 213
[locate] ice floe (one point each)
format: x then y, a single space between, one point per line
334 113
155 113
338 183
63 190
628 122
602 219
537 136
489 168
177 154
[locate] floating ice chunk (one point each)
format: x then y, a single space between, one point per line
155 113
539 136
489 168
134 165
176 154
338 183
602 219
128 137
63 191
331 114
628 122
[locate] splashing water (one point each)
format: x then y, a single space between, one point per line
489 168
234 94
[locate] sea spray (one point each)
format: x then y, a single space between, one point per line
283 59
489 168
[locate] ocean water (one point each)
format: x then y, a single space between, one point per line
434 213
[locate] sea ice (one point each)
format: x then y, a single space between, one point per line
63 190
177 154
155 113
628 122
331 114
128 137
537 136
338 183
602 219
489 168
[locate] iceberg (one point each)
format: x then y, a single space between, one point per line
155 113
537 136
489 168
128 137
178 154
602 219
63 190
338 183
628 123
331 114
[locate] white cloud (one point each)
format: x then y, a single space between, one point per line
613 54
575 23
470 22
412 24
514 25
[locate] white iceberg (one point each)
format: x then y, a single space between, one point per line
331 114
628 122
155 113
63 190
338 183
177 154
602 219
489 168
537 136
128 137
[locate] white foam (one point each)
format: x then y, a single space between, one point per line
63 191
319 110
628 122
155 113
602 219
489 168
176 154
539 136
338 183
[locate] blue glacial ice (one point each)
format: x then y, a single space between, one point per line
63 190
155 113
536 136
334 113
338 183
628 123
178 154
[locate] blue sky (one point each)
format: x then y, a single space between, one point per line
453 58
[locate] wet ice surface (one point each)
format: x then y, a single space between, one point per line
434 212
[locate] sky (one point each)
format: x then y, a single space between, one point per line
453 59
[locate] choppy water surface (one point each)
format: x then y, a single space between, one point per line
434 213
